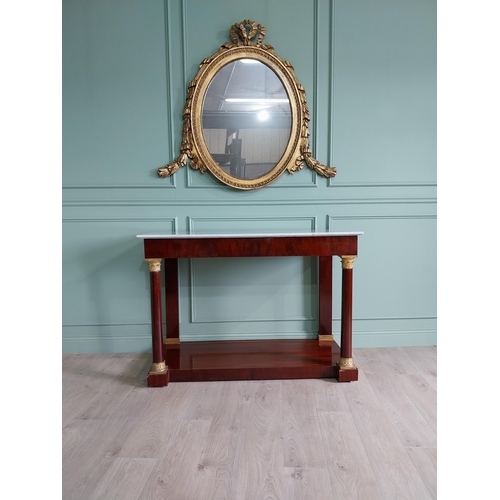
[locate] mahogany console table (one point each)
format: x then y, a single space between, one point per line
178 361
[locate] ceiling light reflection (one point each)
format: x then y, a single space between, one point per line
263 115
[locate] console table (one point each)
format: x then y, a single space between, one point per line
176 361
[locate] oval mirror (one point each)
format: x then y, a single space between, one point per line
246 117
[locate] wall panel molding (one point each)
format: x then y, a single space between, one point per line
113 220
337 185
196 317
168 79
331 101
382 217
122 219
260 203
391 339
394 318
323 57
314 138
406 193
101 343
302 223
106 338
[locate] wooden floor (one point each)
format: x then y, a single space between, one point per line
283 439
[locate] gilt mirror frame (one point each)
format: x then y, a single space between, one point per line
246 43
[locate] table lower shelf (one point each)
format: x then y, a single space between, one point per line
251 360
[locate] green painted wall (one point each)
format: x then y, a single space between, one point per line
369 70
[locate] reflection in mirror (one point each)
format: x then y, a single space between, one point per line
246 119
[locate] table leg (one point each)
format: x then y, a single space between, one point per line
325 335
172 301
158 375
347 370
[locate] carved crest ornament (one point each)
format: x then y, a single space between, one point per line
246 118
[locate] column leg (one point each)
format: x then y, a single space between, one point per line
325 335
158 375
347 370
172 301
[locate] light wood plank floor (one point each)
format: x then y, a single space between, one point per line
374 439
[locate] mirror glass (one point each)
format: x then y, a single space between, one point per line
246 119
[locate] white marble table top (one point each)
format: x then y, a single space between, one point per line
247 235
